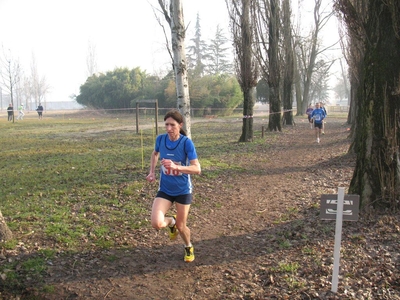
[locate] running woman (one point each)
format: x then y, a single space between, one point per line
178 158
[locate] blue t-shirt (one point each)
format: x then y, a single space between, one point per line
181 152
318 115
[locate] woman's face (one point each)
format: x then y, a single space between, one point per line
172 127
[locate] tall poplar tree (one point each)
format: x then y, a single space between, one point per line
246 65
376 177
274 67
267 17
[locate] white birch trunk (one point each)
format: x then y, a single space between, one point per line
180 65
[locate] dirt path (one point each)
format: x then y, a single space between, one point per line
250 231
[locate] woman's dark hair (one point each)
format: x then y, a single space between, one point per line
177 116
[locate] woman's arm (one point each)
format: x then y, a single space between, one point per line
153 163
193 168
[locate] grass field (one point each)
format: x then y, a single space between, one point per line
76 182
74 194
60 174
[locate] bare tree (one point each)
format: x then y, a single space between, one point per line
308 51
10 74
91 59
267 17
354 51
374 34
39 86
26 90
246 64
173 13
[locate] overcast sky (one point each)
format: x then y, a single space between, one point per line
125 33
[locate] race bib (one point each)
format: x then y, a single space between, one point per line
168 171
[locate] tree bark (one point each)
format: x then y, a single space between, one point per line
288 66
248 110
297 87
180 66
5 232
376 176
274 71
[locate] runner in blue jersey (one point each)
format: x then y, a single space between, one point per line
322 105
318 115
308 113
178 158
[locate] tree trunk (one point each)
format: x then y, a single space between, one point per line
247 74
288 66
5 232
377 138
248 108
180 66
274 78
354 54
176 22
246 67
309 72
351 117
297 87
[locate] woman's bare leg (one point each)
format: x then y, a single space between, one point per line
181 219
160 208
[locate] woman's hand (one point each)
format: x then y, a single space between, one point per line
169 164
151 177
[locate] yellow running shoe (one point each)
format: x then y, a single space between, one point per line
173 232
189 254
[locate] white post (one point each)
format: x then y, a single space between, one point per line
338 239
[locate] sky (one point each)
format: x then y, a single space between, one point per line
124 33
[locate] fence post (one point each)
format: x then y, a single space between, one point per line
137 117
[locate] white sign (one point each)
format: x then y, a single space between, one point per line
328 207
341 208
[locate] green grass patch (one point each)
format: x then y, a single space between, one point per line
78 184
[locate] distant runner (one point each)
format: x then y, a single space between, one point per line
39 110
10 112
326 114
21 112
308 112
318 116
